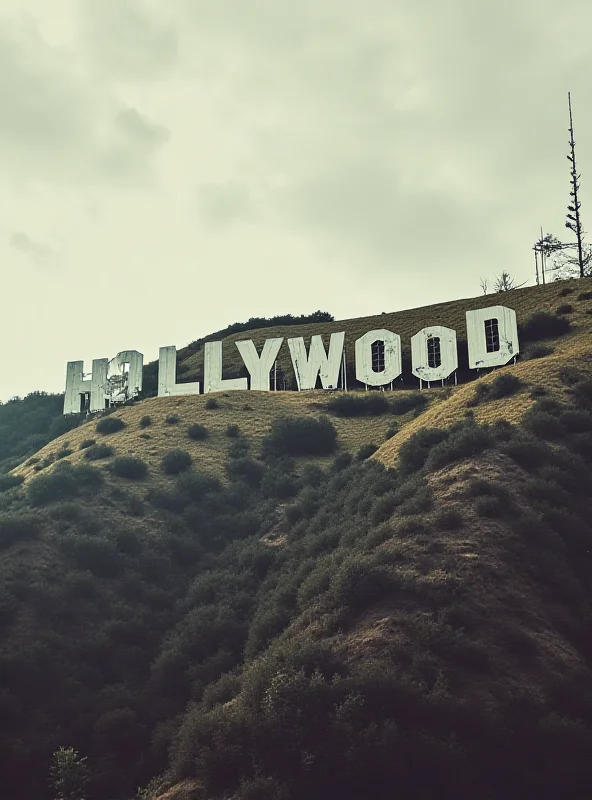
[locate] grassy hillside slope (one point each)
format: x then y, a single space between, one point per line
250 622
406 323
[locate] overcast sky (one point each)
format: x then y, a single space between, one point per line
168 167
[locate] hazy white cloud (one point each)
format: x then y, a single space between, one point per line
398 151
38 253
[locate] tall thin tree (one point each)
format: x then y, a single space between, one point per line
574 222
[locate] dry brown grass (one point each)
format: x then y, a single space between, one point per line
406 323
540 372
446 406
210 455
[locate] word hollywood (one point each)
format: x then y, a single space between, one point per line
492 338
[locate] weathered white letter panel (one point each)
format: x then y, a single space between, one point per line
392 358
492 337
430 346
167 375
213 381
307 368
259 366
76 386
124 384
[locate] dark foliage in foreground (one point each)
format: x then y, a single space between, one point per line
141 645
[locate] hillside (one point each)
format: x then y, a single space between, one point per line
294 598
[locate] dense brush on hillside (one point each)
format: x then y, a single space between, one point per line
335 630
310 596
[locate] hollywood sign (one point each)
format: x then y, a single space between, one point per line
492 338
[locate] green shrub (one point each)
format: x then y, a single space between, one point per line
109 425
503 385
196 485
175 461
414 452
358 404
197 432
527 452
168 500
582 394
365 451
172 419
542 325
145 421
300 436
391 431
464 442
63 483
129 467
538 391
341 462
547 492
145 436
412 401
238 448
94 553
97 451
565 291
539 351
543 424
211 403
14 528
247 470
449 520
232 431
10 481
576 421
280 484
565 308
490 507
63 453
570 375
585 296
87 443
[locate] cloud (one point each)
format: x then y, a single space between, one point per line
39 254
59 127
222 204
127 39
402 131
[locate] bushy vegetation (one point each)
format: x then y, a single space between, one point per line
145 421
63 483
411 401
175 461
539 351
129 467
542 325
365 451
17 528
233 431
8 482
335 606
504 385
358 404
211 403
27 424
197 432
97 451
109 424
300 437
172 419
